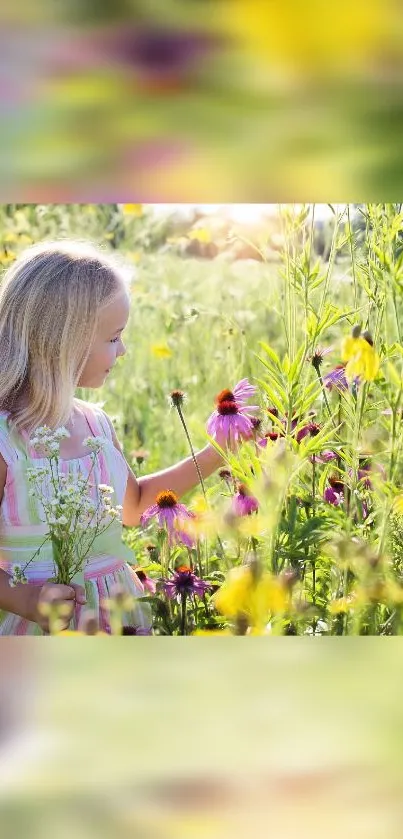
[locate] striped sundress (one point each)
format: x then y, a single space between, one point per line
23 528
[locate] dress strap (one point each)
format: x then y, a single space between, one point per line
12 447
96 420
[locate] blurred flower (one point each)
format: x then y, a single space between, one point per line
336 378
332 46
325 456
184 581
244 503
362 359
169 513
153 552
164 59
365 469
311 428
131 209
270 435
256 423
161 351
139 455
148 584
252 595
334 493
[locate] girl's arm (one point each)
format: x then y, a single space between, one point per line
180 478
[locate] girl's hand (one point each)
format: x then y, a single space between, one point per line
62 598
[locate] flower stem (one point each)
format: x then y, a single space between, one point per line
183 613
182 419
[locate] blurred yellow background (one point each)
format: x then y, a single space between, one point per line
231 100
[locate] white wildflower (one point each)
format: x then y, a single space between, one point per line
61 433
43 430
105 488
94 443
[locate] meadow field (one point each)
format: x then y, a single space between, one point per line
316 326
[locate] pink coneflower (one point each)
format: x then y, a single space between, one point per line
149 584
312 428
184 582
365 469
243 391
336 378
230 421
135 630
240 393
324 457
244 503
334 494
169 512
270 435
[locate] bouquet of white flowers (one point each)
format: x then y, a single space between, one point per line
73 518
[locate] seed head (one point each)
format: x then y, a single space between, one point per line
177 398
225 396
166 498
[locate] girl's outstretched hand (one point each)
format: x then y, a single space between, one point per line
60 597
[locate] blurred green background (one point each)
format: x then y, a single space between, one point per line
231 100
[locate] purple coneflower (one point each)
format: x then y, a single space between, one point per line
334 494
135 630
312 428
229 420
184 582
148 584
324 457
336 378
365 468
243 391
169 512
270 435
244 503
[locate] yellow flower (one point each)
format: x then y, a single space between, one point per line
362 360
337 40
255 596
7 257
201 234
132 209
161 351
342 605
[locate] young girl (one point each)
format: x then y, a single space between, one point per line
63 308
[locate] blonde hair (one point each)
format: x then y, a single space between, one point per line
50 300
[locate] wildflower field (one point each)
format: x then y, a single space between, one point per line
289 361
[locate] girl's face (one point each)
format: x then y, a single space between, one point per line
108 345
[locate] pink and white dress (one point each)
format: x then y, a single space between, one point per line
23 527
